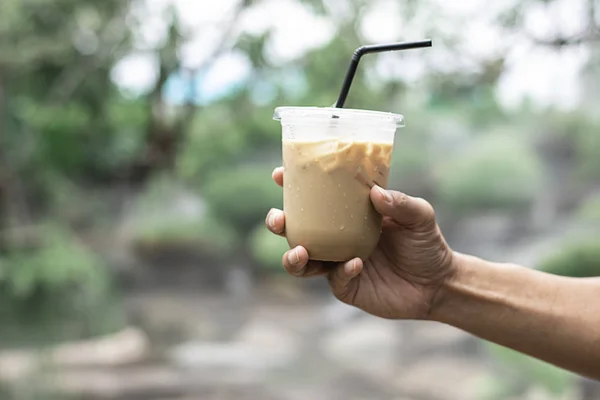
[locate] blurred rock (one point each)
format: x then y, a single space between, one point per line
541 393
128 346
227 355
148 382
284 287
238 283
424 338
432 377
260 344
124 347
336 313
15 365
267 335
368 343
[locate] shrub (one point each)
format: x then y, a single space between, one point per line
589 210
522 371
577 259
410 169
52 261
52 288
495 173
267 248
241 197
205 234
161 224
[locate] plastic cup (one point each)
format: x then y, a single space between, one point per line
332 157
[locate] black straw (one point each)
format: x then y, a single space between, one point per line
376 48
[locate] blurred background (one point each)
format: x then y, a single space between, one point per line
136 148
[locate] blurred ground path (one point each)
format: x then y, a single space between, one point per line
287 343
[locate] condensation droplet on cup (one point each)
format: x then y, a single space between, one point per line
289 186
297 189
366 218
302 210
342 228
344 194
351 215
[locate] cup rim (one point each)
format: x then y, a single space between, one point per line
342 113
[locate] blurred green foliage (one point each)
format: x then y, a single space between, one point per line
55 263
241 197
570 136
267 249
208 235
578 259
49 279
495 172
589 210
521 372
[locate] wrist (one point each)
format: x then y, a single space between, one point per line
445 295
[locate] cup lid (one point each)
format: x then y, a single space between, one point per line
348 114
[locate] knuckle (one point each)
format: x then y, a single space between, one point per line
426 208
399 199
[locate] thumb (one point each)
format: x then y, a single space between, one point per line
403 209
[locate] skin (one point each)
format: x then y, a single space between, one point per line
413 274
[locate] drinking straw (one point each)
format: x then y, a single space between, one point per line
375 48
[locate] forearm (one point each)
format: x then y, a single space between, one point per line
552 318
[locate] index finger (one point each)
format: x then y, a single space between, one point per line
278 175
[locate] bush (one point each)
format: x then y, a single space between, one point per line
205 234
168 215
576 134
495 173
50 260
241 197
410 170
522 371
580 259
224 134
267 248
54 288
589 210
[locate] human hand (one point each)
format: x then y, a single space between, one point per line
403 274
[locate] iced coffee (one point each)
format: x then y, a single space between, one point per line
331 161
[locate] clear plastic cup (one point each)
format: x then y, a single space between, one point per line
332 157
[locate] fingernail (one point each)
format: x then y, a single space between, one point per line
294 257
354 266
271 220
385 194
276 171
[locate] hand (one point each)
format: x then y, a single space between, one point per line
402 276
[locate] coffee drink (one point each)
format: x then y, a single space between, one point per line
326 195
332 157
